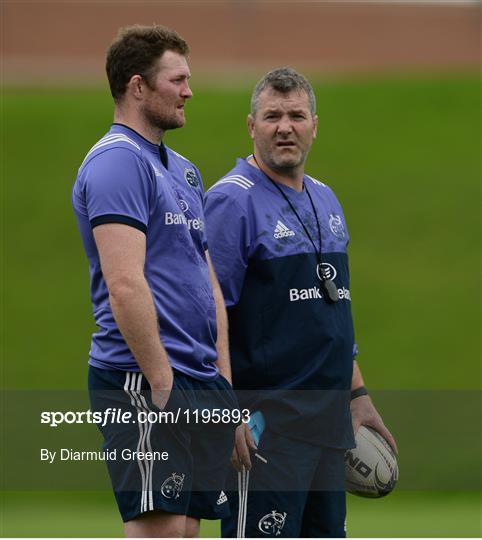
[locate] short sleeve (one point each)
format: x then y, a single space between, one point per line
117 189
228 237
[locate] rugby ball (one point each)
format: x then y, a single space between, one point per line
371 469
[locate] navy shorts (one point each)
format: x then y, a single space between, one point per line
298 493
172 461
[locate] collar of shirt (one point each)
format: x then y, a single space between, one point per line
158 150
290 192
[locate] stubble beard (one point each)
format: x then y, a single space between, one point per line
161 122
283 165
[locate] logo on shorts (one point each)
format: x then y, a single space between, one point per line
272 523
326 271
172 486
191 177
336 226
222 498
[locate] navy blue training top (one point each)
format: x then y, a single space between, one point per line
291 351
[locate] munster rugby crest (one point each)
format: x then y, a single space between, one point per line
336 226
172 486
272 523
191 177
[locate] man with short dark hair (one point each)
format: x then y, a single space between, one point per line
279 242
162 339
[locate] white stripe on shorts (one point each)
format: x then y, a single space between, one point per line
132 387
243 483
150 462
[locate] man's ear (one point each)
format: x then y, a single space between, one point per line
250 124
136 86
315 126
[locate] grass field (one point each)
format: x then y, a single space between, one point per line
403 156
399 515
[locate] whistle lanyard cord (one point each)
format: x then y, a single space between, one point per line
293 209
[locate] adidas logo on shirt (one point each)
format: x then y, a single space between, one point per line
222 498
282 231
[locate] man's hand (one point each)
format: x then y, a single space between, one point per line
244 442
161 392
364 413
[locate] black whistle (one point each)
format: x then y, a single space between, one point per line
330 292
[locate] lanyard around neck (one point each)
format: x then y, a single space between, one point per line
327 284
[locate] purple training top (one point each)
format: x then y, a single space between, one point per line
126 179
291 351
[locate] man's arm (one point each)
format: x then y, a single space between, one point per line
122 251
222 344
364 412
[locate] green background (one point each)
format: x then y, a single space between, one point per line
402 154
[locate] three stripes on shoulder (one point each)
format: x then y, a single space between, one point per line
246 183
112 138
317 182
237 179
